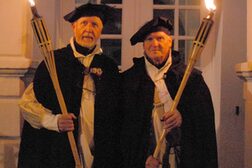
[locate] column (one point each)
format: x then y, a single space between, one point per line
13 65
244 71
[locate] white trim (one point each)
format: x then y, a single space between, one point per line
111 36
193 7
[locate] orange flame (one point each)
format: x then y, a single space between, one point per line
32 2
210 5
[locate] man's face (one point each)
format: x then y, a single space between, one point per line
87 30
157 46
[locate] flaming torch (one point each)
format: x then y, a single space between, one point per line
45 45
198 45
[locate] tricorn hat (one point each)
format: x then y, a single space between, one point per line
156 24
104 12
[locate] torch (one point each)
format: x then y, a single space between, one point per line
45 45
198 45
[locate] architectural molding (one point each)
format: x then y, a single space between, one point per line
14 66
244 70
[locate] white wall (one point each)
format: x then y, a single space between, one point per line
232 49
249 29
46 9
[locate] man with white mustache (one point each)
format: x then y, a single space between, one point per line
89 81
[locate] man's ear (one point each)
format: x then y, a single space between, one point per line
73 25
143 44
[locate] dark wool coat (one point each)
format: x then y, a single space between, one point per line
42 148
198 139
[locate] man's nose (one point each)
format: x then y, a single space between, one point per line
154 42
89 27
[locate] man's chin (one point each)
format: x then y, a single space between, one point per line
158 61
87 45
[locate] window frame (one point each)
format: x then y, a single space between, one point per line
134 15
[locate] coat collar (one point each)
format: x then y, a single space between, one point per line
176 61
178 67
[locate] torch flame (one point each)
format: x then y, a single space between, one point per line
210 5
32 2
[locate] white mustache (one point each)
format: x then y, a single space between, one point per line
88 36
153 50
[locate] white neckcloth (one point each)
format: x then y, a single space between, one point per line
86 130
157 76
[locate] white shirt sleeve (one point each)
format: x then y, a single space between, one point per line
36 114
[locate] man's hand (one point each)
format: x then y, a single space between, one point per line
151 162
172 120
65 122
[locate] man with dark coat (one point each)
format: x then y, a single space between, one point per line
89 81
148 89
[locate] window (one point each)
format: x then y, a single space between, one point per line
111 39
185 16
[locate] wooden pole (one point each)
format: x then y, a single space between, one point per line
45 46
198 45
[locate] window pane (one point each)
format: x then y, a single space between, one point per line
80 2
112 48
164 2
189 21
185 47
189 2
168 13
114 28
111 1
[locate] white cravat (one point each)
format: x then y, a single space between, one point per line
86 132
162 103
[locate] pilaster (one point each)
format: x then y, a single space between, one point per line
16 45
12 69
244 71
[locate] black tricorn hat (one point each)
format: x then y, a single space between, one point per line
154 25
104 12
